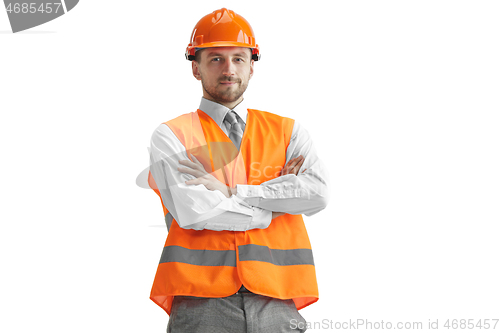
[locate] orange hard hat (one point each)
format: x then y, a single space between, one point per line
222 28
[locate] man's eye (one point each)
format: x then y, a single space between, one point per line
215 59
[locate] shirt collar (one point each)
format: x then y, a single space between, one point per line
218 111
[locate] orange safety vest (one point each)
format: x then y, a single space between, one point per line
276 261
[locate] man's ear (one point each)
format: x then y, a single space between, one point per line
251 68
196 70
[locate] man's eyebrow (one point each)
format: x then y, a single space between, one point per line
217 54
240 55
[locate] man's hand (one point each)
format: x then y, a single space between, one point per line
202 177
276 214
293 166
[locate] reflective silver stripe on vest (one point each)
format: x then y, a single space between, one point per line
274 256
174 253
168 220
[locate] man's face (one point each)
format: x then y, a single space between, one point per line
224 73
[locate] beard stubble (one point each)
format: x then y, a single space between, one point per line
228 95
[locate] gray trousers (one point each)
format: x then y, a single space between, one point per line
243 312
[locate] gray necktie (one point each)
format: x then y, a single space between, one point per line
235 126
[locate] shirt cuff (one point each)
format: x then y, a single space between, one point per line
283 187
261 218
250 194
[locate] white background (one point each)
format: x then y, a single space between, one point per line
400 97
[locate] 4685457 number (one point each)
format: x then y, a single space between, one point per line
32 8
471 324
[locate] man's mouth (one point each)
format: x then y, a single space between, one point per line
229 81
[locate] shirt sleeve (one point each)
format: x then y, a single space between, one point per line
305 193
194 206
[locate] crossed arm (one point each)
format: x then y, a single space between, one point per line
197 170
197 200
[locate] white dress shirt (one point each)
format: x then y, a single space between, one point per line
196 207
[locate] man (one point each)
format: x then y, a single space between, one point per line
234 182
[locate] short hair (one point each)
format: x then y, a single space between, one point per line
197 55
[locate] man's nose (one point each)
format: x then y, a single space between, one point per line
228 69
